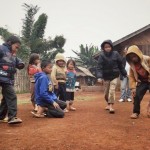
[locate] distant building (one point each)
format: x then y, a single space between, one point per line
85 77
141 38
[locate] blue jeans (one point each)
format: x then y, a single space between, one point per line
125 90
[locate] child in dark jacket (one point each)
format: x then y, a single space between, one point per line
8 64
44 95
108 70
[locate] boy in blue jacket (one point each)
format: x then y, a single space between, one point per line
44 95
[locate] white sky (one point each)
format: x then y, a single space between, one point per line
81 21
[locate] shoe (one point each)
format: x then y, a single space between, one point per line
33 112
111 111
72 108
66 110
15 120
39 115
121 100
5 120
134 116
129 100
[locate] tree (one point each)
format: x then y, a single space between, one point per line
32 39
85 56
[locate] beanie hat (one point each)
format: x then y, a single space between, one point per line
60 56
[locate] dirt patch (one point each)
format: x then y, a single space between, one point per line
89 128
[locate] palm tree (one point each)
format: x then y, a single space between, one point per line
85 56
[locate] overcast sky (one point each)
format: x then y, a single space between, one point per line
81 21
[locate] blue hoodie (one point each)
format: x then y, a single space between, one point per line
43 89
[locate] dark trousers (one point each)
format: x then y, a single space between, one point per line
61 91
141 90
56 112
9 102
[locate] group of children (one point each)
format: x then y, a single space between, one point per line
110 66
52 86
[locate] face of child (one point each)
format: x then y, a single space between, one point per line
48 69
60 63
15 47
134 58
37 61
71 66
107 47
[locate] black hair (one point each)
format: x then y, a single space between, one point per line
71 60
45 63
13 39
33 57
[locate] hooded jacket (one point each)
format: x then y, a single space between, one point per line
145 62
43 89
58 74
8 64
110 64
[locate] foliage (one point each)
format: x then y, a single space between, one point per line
85 56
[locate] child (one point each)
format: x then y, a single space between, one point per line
45 97
8 64
70 84
58 77
109 67
33 68
125 90
139 77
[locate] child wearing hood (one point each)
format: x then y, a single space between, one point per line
108 70
139 77
58 77
45 97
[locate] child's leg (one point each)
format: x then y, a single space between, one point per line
32 94
62 91
106 92
71 102
140 92
11 100
62 104
40 112
3 109
56 112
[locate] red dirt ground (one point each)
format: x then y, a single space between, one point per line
89 128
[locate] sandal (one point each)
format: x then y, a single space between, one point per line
111 111
38 115
72 109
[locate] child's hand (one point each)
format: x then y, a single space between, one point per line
56 105
101 81
56 86
133 92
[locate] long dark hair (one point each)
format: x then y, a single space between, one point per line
69 61
33 57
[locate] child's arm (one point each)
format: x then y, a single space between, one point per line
53 76
44 91
19 63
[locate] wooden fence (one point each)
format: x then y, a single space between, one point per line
22 84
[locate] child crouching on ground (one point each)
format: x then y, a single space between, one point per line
44 95
139 77
70 84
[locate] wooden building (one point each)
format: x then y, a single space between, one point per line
84 76
141 38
